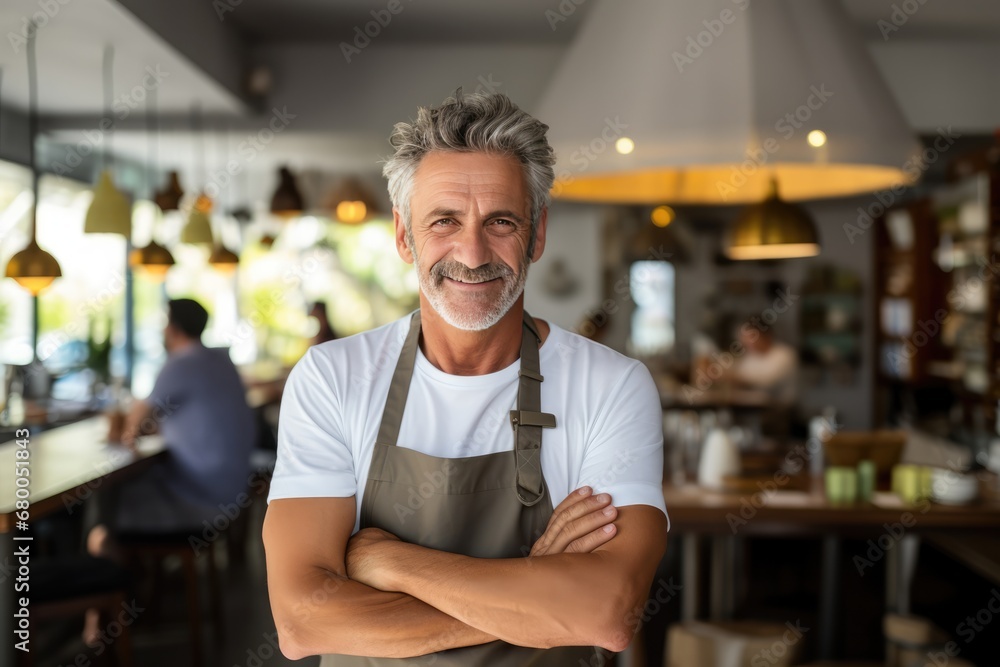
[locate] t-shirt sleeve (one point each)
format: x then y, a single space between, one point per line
313 459
171 387
624 456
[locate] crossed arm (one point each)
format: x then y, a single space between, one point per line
377 596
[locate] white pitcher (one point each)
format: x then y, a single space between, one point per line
719 457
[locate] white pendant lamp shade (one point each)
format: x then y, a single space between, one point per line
714 99
110 211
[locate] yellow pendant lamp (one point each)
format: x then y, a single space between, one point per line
110 211
773 229
33 268
198 228
351 202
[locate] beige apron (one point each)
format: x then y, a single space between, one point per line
487 506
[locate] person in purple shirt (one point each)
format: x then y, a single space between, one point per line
199 405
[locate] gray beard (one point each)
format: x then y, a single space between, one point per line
485 312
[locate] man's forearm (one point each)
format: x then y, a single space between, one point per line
332 614
556 600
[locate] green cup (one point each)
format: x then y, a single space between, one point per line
841 485
866 480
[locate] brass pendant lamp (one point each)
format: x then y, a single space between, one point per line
110 211
153 260
351 202
33 268
773 229
222 259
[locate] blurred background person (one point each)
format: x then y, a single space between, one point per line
326 332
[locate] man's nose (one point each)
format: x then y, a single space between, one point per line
472 247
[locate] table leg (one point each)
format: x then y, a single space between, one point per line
723 565
901 564
829 597
689 575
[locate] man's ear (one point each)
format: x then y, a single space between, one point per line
543 219
401 246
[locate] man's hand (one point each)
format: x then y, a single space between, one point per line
581 523
366 557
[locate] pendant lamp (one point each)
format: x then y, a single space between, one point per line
351 202
153 260
703 102
110 211
33 268
287 200
223 259
169 198
198 228
773 229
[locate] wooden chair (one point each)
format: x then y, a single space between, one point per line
67 586
157 547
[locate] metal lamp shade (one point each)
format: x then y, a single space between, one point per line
33 268
110 211
154 260
223 259
773 229
169 198
351 202
198 228
287 199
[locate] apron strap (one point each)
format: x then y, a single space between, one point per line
395 402
528 419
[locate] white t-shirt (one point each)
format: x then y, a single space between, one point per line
608 430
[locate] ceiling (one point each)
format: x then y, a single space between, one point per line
345 108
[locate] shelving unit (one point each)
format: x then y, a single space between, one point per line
909 293
937 305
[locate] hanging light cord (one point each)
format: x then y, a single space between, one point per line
200 145
33 120
153 136
109 60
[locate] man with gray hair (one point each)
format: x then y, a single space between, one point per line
414 510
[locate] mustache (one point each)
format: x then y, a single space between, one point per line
458 271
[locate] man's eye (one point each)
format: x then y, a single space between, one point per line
503 222
442 222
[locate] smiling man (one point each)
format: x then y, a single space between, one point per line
467 483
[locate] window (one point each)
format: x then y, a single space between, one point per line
651 284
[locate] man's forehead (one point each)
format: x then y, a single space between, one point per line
441 172
449 179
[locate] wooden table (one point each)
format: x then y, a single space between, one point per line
771 511
66 464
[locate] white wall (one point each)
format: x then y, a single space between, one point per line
574 233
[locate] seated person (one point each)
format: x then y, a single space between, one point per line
768 364
199 404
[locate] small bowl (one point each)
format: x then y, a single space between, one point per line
953 488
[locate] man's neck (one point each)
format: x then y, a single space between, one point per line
459 352
183 346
